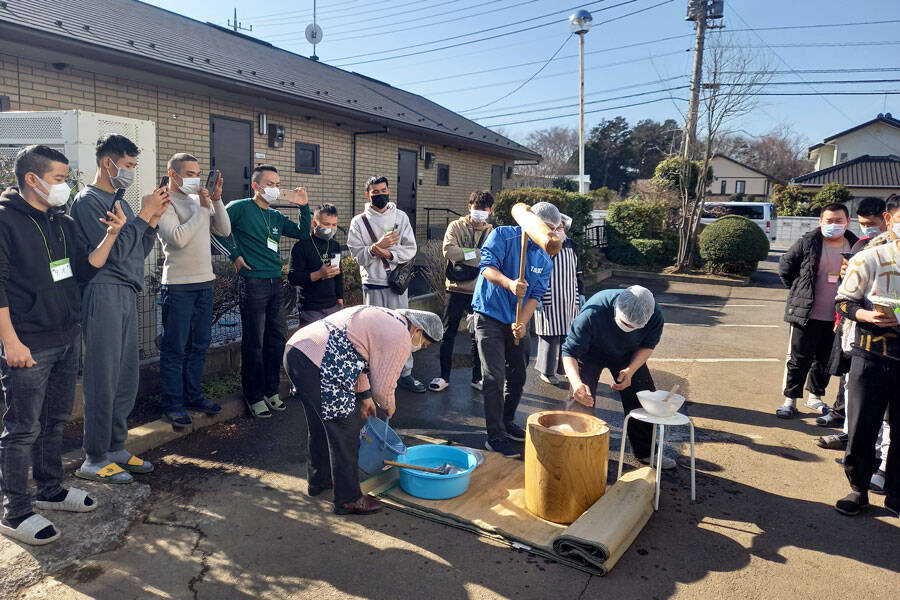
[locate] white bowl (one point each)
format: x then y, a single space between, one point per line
653 403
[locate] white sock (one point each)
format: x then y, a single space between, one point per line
792 402
120 456
813 398
92 467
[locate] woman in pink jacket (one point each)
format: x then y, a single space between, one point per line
341 367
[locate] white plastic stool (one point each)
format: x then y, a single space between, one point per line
661 422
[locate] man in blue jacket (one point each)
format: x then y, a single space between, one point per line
497 292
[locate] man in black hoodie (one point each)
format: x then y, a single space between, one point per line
811 269
41 264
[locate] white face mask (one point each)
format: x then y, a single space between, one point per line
623 325
417 347
833 230
56 195
895 227
190 185
270 194
479 216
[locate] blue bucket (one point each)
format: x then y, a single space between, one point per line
378 443
432 486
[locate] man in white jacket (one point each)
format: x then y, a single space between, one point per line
390 243
187 287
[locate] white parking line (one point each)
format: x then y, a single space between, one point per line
723 325
711 306
717 360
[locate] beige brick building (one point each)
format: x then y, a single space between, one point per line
206 77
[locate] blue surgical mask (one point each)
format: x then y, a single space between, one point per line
870 231
833 230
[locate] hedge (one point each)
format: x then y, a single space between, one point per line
733 244
636 234
577 206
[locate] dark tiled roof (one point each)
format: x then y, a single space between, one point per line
132 28
865 171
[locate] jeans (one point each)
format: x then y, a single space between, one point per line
311 316
873 387
333 446
263 333
503 367
111 366
639 433
187 329
458 305
38 404
809 353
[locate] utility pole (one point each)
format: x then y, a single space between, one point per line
697 11
237 26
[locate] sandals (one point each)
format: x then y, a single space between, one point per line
831 419
438 384
274 402
833 442
816 405
786 412
28 529
178 418
259 410
75 502
111 473
136 465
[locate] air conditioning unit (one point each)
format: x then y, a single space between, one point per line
75 134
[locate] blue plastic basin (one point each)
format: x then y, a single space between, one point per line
432 486
378 443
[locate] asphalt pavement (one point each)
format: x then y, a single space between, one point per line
228 516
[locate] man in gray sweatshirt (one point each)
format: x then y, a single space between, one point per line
111 360
187 287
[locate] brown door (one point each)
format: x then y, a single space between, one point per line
231 151
496 178
407 172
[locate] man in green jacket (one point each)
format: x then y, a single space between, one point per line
253 248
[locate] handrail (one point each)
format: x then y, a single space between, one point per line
447 212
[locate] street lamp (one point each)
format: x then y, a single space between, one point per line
580 23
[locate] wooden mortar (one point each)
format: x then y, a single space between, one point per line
565 473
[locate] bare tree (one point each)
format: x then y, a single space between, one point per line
732 78
556 145
780 153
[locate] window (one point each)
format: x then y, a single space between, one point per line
306 158
722 191
443 174
740 186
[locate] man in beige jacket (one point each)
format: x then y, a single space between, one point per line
462 248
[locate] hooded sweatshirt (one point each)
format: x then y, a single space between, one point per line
372 268
44 313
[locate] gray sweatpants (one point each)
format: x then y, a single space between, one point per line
388 299
111 366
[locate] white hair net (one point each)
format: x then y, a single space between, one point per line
636 304
547 212
566 220
430 323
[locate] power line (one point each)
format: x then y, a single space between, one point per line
635 95
307 14
524 83
587 112
499 35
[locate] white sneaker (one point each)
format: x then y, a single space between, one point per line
667 463
478 385
438 384
552 380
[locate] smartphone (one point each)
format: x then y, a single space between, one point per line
336 261
213 180
885 310
163 182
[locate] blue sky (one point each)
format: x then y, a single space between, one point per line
363 35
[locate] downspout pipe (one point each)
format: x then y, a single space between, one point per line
353 166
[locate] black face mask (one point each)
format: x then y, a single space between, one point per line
379 201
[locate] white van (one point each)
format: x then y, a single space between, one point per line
761 213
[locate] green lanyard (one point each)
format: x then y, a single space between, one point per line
322 258
46 246
264 214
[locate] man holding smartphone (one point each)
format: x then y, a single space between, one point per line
316 268
194 215
868 296
111 350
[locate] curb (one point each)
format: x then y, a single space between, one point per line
156 433
645 275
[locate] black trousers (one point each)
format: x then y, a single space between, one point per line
263 325
503 366
874 386
333 447
810 351
639 433
458 305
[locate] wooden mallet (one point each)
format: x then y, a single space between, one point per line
532 227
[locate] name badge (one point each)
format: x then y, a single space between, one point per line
60 269
335 261
833 277
272 244
469 254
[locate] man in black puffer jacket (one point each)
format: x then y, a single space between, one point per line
811 269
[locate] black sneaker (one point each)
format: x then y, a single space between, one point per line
852 503
502 446
514 432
